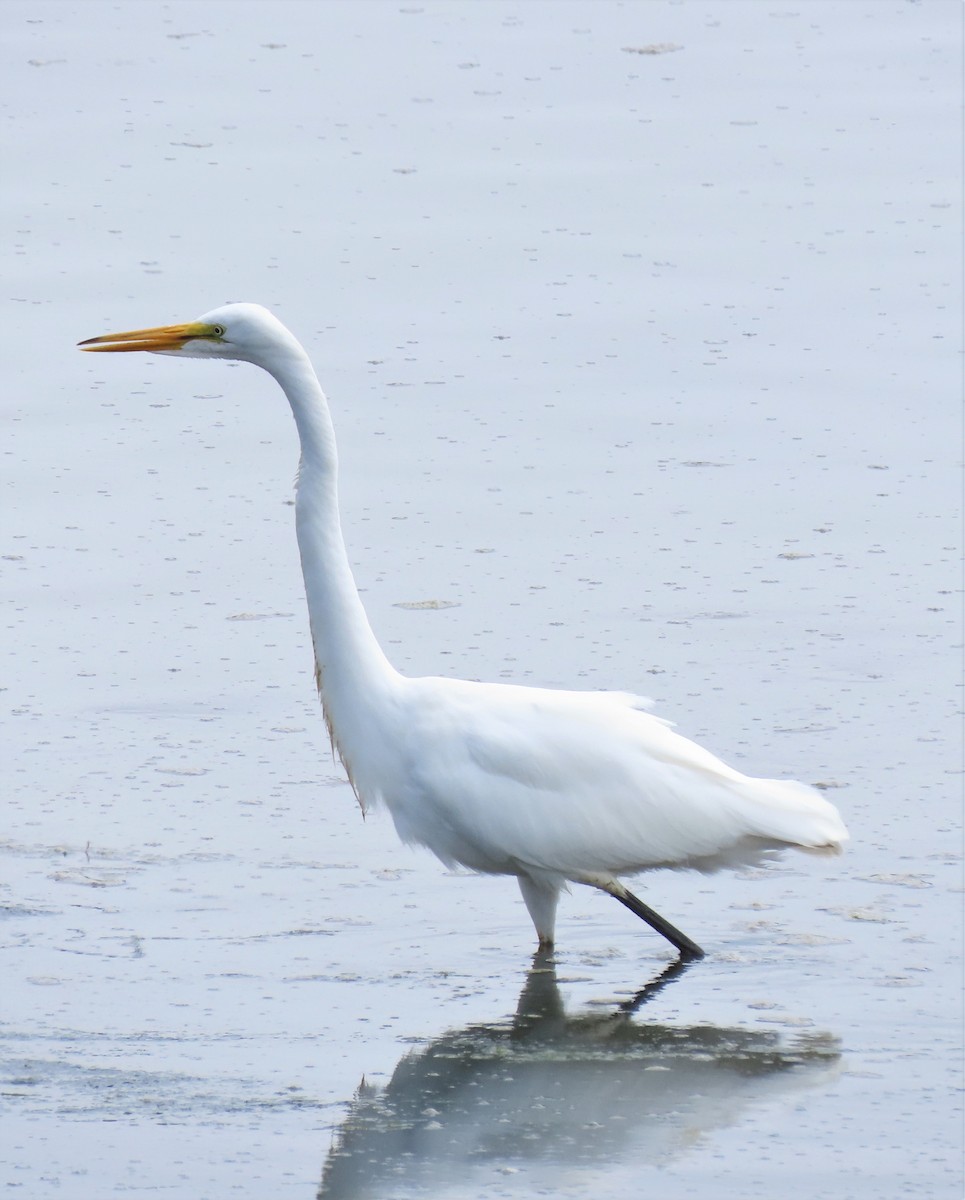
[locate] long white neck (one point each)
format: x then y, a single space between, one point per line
355 680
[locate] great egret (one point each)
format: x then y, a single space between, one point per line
550 786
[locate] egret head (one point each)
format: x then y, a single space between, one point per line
235 331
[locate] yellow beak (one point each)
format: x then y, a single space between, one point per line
162 337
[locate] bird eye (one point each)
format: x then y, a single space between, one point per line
218 330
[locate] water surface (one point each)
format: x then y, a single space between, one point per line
640 325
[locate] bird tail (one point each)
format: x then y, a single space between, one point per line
794 813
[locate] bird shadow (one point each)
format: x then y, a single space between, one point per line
550 1091
541 1014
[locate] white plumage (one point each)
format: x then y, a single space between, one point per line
550 786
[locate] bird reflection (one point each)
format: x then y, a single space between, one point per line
550 1092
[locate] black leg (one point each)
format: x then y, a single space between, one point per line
688 950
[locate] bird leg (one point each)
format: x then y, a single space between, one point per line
688 950
541 896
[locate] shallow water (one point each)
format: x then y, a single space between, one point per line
640 325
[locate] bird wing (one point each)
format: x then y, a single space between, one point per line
498 775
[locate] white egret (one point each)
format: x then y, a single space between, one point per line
550 786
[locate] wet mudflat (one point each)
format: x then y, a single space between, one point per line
640 327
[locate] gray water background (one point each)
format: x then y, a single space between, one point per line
641 328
